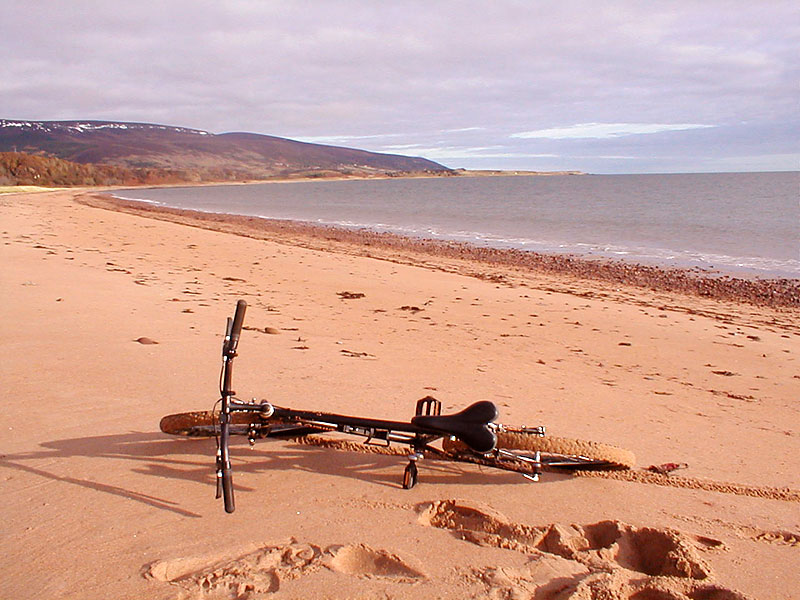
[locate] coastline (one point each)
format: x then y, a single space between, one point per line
772 292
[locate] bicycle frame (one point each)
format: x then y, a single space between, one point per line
470 436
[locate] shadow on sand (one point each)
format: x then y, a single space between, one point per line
158 455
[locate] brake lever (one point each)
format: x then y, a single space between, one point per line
219 474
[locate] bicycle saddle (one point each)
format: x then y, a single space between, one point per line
471 425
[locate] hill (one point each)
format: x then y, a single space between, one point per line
195 155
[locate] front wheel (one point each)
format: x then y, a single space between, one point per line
196 424
205 423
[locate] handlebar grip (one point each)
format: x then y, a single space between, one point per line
227 490
224 464
236 326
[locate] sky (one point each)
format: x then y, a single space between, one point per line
601 87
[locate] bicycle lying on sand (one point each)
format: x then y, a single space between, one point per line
470 436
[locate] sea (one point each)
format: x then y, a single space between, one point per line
739 224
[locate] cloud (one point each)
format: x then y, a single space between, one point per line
343 139
459 153
463 129
604 130
507 84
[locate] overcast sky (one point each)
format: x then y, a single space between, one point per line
604 87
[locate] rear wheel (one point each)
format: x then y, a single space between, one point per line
556 453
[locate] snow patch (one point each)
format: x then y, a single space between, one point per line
85 126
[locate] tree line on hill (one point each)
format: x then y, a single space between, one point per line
19 168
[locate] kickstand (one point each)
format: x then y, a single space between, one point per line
411 472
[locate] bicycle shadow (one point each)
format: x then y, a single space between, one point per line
137 446
170 458
274 455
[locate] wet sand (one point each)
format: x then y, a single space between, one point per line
364 323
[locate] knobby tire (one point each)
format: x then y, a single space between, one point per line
579 454
202 423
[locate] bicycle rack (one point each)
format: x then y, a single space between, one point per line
428 407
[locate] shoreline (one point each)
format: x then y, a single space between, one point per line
764 292
711 272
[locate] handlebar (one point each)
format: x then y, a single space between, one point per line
234 330
224 471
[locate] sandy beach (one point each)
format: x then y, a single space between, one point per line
98 503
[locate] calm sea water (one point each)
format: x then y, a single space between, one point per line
743 223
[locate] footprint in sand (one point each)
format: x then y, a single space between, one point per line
657 552
265 570
256 573
613 560
363 561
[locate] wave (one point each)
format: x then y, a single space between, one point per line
144 200
771 267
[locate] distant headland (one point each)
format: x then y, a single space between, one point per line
106 153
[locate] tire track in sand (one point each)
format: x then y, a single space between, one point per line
646 477
738 489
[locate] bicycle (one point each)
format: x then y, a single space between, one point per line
470 436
